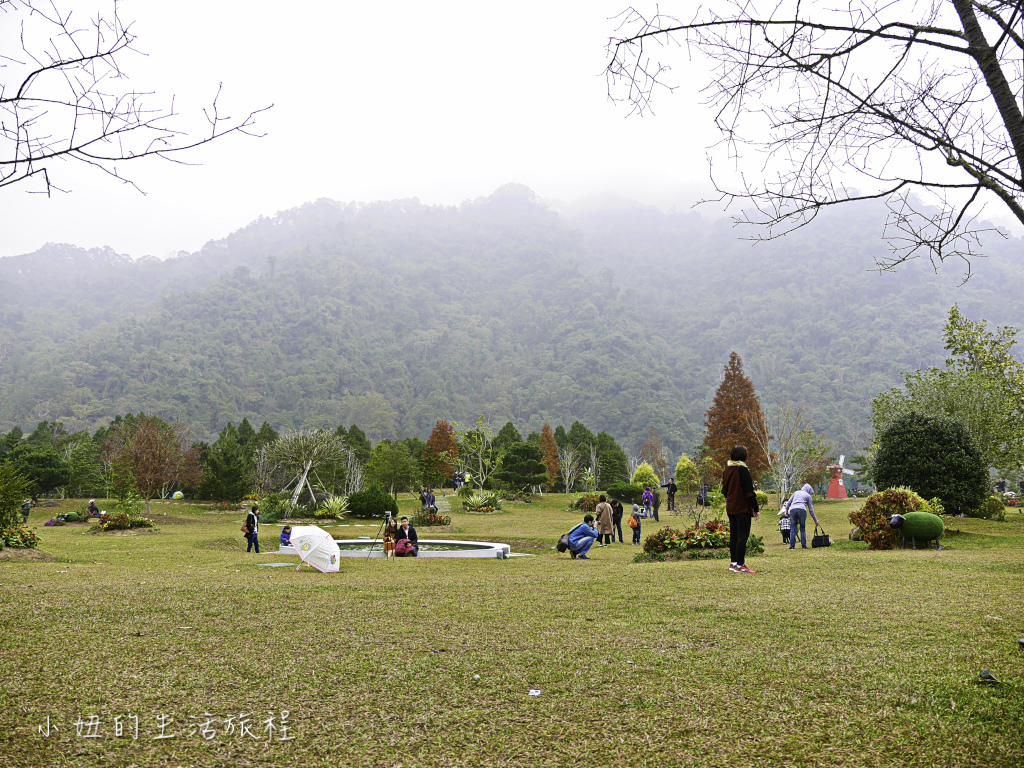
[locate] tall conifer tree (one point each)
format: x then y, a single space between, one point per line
550 450
734 418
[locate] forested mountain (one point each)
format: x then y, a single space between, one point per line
394 315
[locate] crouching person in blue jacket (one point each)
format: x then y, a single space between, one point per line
582 537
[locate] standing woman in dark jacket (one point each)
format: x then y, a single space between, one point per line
741 506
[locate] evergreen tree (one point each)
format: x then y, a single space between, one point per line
533 438
246 436
228 468
41 465
357 440
735 418
86 470
266 436
10 441
549 447
436 458
613 460
580 438
508 436
523 466
934 457
561 438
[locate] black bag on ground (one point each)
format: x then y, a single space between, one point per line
563 543
820 539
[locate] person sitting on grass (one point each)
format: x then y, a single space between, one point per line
286 536
582 538
94 511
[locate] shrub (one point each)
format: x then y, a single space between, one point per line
334 508
587 503
627 493
120 521
272 508
762 499
665 540
71 517
371 503
487 502
935 457
14 488
873 517
755 545
644 475
709 535
994 509
58 520
427 519
19 538
934 506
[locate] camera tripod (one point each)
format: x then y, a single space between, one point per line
387 519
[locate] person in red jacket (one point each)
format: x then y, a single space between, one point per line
740 505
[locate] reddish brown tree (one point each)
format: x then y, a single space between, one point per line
550 449
442 446
735 418
149 453
654 454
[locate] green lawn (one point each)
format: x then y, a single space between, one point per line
827 657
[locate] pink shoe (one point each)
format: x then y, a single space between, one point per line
735 569
744 569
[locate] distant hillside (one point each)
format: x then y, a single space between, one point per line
394 315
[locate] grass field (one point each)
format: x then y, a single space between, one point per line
826 657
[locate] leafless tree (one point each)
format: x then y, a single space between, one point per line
793 449
353 473
298 455
595 465
65 97
918 102
570 463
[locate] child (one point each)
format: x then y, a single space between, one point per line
634 523
286 536
784 522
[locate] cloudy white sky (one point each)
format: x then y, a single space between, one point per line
444 101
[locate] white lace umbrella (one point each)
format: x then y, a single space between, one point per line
316 547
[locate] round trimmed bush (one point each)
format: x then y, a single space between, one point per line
762 499
71 517
371 503
625 492
934 457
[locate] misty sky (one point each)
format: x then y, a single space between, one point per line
443 101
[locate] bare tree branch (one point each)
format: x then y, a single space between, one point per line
66 99
909 100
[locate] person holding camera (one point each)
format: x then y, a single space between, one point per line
582 538
407 543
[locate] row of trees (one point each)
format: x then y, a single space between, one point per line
155 456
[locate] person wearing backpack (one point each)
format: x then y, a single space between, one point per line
648 500
582 538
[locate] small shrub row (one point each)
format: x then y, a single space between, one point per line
487 502
587 503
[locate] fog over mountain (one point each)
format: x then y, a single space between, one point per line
393 315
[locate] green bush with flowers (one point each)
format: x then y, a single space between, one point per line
873 518
427 519
707 541
19 538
